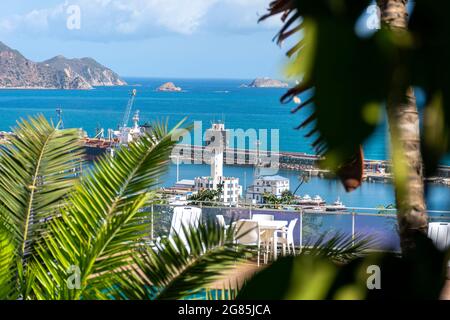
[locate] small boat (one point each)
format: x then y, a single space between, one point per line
305 200
308 203
318 200
336 206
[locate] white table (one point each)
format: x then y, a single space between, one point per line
271 226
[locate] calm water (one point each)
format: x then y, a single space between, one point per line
370 195
204 100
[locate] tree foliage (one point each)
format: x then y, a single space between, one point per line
207 197
348 77
37 173
67 238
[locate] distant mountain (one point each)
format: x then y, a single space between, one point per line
266 83
16 71
90 70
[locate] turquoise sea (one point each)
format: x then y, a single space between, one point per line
204 100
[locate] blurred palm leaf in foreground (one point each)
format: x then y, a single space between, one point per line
350 77
346 75
176 269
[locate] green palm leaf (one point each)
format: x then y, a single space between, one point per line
7 263
339 247
309 275
175 269
36 174
99 231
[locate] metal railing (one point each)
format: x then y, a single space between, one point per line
379 223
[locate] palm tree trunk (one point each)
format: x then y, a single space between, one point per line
405 140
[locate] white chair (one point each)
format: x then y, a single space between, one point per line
184 218
221 221
287 237
248 233
439 233
262 217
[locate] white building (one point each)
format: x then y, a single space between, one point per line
216 143
267 184
231 190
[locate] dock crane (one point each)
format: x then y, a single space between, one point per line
127 134
126 116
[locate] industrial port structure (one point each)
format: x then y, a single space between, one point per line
374 170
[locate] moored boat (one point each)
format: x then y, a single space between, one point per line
336 206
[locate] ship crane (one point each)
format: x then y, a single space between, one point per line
100 134
126 134
126 116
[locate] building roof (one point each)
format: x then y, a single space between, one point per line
209 178
185 182
273 178
222 178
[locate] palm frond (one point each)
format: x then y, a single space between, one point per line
292 24
175 269
37 172
7 266
228 291
98 232
339 247
300 18
310 275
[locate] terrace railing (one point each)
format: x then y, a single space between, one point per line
379 223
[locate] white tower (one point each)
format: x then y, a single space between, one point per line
136 120
217 167
216 143
257 169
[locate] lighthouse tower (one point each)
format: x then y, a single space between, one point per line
216 143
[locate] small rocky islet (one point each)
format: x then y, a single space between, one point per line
168 87
265 83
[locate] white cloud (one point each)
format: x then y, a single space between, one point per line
241 15
107 20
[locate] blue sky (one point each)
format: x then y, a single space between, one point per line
154 38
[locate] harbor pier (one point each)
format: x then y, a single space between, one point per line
308 164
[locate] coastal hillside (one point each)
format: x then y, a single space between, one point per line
90 70
16 71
